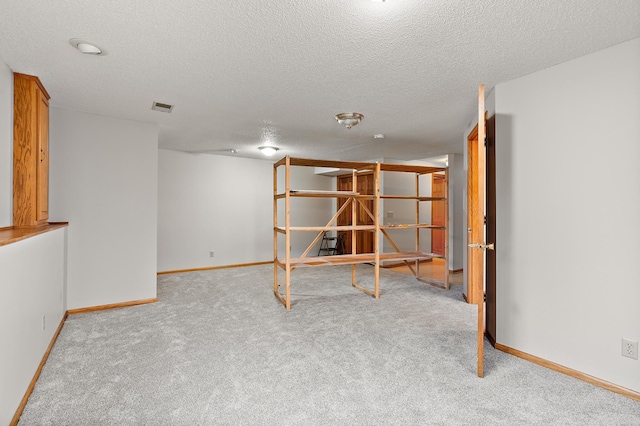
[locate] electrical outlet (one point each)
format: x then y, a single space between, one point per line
211 253
629 348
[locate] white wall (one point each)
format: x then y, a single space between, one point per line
32 288
6 145
304 211
103 181
568 288
457 230
213 203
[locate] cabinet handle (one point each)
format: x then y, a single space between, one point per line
41 155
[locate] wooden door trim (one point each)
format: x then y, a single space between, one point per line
475 221
482 133
570 372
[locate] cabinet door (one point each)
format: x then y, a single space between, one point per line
30 152
42 167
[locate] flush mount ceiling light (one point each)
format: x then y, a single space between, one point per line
268 150
86 47
349 119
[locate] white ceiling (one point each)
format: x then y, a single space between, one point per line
242 72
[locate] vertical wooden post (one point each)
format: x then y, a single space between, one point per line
275 225
354 222
287 229
480 224
446 228
376 234
417 221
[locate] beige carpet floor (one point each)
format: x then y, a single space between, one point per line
219 349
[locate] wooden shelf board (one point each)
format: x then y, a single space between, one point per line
411 197
411 168
358 165
329 228
324 194
349 259
354 165
358 227
309 193
412 226
11 235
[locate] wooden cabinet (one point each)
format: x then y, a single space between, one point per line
30 152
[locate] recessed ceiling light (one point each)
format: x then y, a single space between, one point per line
268 150
378 136
86 47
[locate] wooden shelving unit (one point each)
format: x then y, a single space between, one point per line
354 200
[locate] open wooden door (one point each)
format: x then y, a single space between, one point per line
438 214
476 179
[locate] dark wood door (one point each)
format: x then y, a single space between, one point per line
364 239
438 211
490 255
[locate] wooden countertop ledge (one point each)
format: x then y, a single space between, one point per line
11 235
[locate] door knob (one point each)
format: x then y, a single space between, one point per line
482 246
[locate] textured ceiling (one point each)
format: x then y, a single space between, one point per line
245 73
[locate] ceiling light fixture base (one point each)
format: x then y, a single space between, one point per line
349 119
268 150
87 47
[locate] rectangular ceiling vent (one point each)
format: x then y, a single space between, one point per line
159 106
